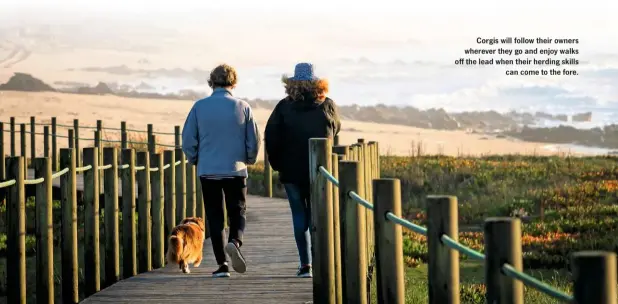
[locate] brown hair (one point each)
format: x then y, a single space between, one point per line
298 89
223 76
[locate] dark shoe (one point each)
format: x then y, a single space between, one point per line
305 272
222 272
238 261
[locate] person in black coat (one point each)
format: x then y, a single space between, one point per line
305 113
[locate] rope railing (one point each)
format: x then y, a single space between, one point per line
92 139
507 269
95 128
55 175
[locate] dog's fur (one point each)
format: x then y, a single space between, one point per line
186 242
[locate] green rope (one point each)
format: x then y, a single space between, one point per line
329 176
34 181
360 200
402 222
7 183
60 173
531 281
449 242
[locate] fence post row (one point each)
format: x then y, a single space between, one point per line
151 190
344 237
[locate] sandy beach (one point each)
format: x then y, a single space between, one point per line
165 114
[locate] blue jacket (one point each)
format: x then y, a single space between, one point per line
220 135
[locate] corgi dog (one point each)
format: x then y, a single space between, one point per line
186 242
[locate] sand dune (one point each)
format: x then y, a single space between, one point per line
165 114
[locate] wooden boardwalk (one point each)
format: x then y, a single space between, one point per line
272 261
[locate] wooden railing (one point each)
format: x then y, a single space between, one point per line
369 223
159 190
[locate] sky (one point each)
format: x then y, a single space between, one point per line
394 52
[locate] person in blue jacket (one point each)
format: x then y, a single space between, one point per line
221 138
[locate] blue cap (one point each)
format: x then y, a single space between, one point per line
304 71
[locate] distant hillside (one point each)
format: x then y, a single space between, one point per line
513 124
27 83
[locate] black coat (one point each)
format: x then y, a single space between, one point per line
288 130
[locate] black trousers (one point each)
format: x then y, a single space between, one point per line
231 192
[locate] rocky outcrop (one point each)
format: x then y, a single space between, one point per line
606 137
100 89
27 83
582 117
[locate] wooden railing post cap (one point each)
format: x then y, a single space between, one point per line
502 219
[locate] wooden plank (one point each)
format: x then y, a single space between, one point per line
272 261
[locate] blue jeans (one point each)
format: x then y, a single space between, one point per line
301 218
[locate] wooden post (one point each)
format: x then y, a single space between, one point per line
268 177
112 234
144 199
443 262
68 188
336 140
129 246
342 151
199 198
78 157
71 143
2 161
181 186
322 223
99 145
54 144
22 143
388 241
44 231
594 277
177 137
503 245
16 232
361 156
150 134
158 233
12 135
353 240
377 147
32 138
336 229
123 135
190 192
170 192
46 142
92 271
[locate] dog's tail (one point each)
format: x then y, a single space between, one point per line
174 250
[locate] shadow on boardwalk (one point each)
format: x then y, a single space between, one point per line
272 261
